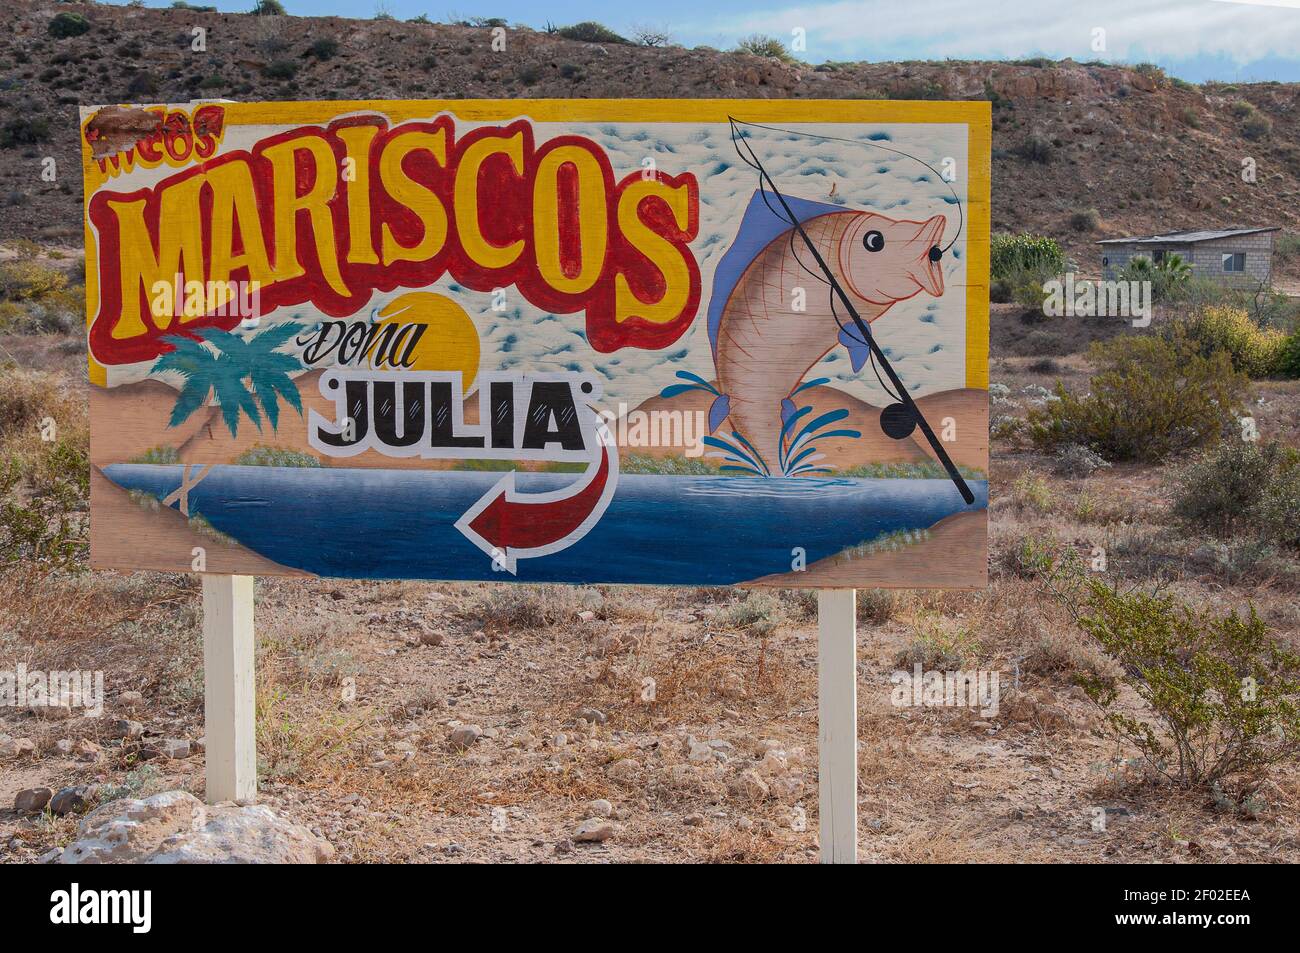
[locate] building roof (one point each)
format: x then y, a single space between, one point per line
1185 238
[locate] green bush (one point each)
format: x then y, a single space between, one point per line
1087 220
1221 692
760 45
1151 398
1287 247
29 280
589 31
42 507
324 49
1255 351
1288 358
1035 148
1019 266
282 69
1257 127
1242 487
65 24
24 131
1009 254
268 8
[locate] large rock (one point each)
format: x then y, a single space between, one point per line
244 835
32 800
177 828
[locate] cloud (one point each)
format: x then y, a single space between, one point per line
1240 32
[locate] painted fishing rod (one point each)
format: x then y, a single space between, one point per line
953 473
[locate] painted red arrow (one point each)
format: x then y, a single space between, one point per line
517 523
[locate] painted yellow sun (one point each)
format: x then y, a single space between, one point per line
450 340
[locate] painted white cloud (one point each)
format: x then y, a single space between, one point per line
1159 29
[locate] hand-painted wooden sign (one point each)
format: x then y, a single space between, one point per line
680 342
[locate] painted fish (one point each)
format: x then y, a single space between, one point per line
762 346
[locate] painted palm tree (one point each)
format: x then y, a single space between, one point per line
246 374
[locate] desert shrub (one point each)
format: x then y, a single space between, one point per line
65 24
1009 254
52 315
761 45
530 74
1061 653
939 643
1031 492
143 83
1288 357
1266 307
1152 397
42 506
1243 109
1223 695
324 49
29 281
268 8
1257 127
1254 351
1035 148
1242 486
281 69
1019 266
1086 220
531 607
25 397
1287 247
1078 462
876 606
758 613
589 31
24 131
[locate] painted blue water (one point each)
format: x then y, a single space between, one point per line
398 524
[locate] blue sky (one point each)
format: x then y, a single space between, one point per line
1234 40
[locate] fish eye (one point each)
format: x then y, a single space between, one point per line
873 241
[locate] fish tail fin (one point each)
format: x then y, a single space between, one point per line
718 411
859 350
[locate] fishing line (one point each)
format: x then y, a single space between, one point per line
961 217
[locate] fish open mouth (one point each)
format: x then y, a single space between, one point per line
928 269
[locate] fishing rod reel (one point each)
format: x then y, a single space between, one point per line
897 421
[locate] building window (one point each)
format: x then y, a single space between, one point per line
1105 260
1159 256
1234 261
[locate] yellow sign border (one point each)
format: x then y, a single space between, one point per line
976 115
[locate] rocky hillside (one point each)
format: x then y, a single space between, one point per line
1146 152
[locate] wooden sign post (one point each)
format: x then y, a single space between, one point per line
229 689
651 342
837 724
